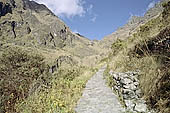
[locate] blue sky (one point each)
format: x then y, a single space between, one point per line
95 19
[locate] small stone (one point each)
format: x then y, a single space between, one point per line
136 83
115 87
126 86
126 81
141 107
138 93
135 79
126 96
123 75
118 82
129 94
129 104
133 87
130 73
115 76
127 91
136 73
130 86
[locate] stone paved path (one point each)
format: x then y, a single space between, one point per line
98 97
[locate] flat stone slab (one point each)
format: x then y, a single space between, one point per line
98 97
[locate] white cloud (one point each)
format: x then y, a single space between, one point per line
93 16
68 8
94 19
151 5
89 9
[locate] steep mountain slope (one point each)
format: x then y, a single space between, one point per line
132 25
147 51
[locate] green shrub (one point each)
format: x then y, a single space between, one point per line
166 11
18 70
62 96
117 46
69 74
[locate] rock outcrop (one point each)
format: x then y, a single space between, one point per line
62 61
5 9
32 23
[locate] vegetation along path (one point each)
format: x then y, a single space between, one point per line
98 97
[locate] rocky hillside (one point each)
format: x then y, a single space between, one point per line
27 23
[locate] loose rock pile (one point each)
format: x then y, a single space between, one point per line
127 86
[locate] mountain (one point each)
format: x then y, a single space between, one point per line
44 66
22 19
29 24
132 25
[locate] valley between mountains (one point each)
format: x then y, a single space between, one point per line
46 68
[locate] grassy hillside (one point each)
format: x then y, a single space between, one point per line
43 64
27 85
18 70
29 24
148 51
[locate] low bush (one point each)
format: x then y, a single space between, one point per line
117 46
18 70
67 86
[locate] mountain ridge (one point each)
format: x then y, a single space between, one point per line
132 25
